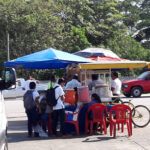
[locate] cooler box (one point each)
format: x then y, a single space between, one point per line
70 97
83 94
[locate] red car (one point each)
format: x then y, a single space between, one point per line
137 86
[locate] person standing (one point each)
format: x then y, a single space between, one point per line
59 110
115 84
52 81
95 81
74 83
32 106
45 111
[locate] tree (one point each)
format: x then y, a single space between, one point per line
131 12
143 34
99 18
37 26
128 48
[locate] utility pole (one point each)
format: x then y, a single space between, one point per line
8 54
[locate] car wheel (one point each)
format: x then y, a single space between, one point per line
136 91
127 95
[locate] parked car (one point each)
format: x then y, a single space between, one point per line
137 86
8 82
18 91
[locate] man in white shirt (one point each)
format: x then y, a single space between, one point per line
74 83
59 109
26 84
116 84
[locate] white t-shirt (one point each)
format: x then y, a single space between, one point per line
35 94
72 84
58 93
116 84
27 83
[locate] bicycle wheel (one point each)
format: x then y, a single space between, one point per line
131 106
141 117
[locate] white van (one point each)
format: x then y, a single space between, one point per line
7 83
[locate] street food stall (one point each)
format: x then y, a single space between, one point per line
54 59
104 70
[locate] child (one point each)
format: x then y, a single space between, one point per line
31 104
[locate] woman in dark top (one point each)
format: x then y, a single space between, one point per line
69 127
95 99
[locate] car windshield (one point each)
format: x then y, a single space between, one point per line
143 75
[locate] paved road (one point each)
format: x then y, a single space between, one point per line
17 134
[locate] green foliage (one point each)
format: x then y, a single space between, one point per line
72 25
79 40
126 47
131 11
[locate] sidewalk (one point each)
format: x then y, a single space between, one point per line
17 136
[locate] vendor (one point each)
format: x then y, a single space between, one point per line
95 81
115 84
74 83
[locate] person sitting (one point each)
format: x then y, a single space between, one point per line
70 128
94 99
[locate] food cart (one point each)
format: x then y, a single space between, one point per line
104 70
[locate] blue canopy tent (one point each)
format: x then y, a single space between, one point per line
46 59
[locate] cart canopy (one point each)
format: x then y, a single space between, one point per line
115 65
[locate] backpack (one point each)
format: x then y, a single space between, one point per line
43 105
50 97
28 100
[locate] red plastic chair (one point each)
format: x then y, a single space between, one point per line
120 114
74 120
99 112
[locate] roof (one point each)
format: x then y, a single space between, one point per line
115 65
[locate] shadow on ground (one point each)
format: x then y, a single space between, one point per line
22 136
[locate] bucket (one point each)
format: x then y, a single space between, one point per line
70 97
83 94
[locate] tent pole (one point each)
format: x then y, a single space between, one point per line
85 78
110 79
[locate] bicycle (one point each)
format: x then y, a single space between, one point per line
140 114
